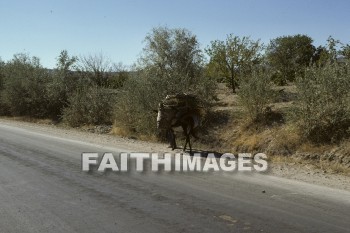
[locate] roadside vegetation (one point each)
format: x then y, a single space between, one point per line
286 98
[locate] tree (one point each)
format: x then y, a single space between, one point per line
2 65
289 55
65 62
346 51
62 84
174 56
99 70
96 69
233 56
64 67
119 76
320 55
3 108
333 51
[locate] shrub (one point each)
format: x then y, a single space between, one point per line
135 105
89 106
255 95
3 107
323 110
24 87
62 85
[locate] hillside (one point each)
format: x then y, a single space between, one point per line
226 130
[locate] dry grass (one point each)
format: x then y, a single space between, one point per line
126 132
248 141
31 120
285 140
150 138
332 167
120 131
310 164
316 149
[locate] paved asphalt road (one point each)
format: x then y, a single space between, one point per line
42 189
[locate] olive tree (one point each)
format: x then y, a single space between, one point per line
323 109
174 57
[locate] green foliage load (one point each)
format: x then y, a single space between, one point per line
181 100
324 103
177 106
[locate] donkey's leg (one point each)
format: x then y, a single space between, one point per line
184 133
189 143
188 132
188 140
171 138
184 149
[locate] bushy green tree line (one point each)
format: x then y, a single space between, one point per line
72 92
93 90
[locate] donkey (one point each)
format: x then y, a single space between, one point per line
170 117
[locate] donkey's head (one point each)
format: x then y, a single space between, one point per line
166 116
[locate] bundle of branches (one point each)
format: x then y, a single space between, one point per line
181 101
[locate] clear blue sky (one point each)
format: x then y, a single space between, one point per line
117 28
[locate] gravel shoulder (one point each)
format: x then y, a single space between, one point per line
290 170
